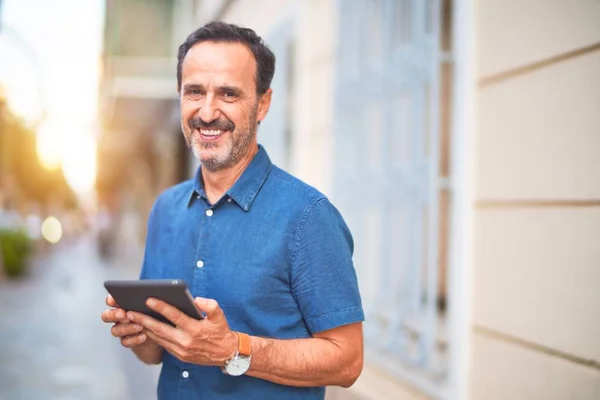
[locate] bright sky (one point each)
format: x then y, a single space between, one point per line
50 52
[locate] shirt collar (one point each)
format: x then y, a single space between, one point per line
245 189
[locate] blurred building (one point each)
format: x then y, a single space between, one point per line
460 140
141 151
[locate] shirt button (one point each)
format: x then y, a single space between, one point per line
198 197
229 200
209 212
199 264
185 374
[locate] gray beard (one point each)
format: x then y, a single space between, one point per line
240 145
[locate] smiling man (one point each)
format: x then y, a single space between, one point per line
268 258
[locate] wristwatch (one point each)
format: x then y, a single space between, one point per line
240 363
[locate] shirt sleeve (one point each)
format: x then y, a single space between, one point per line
323 277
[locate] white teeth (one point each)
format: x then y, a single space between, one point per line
210 133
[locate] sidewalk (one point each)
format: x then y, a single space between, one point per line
53 344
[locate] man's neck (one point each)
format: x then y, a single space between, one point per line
216 183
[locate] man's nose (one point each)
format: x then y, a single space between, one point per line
208 110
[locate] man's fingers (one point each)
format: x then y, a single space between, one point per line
210 307
110 301
171 313
117 315
121 330
156 338
133 340
158 328
164 343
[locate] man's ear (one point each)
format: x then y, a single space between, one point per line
264 102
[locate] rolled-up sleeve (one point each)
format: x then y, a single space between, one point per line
323 277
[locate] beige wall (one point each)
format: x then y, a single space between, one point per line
536 320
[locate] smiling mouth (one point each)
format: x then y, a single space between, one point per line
211 134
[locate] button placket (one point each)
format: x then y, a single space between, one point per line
202 254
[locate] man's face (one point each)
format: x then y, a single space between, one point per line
219 105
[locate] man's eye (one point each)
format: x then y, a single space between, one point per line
195 92
229 94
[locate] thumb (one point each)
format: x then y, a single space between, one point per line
210 307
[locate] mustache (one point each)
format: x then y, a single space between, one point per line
216 125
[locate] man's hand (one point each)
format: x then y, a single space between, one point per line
205 342
129 334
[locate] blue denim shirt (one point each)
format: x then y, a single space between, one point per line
274 253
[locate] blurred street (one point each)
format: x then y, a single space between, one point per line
53 344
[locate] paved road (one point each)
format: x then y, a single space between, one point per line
52 342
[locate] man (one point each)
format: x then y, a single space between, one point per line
268 257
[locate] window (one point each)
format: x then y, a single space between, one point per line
392 176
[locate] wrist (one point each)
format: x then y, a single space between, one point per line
230 348
148 344
149 352
239 363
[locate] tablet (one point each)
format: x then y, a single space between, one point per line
131 295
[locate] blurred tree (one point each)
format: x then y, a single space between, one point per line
19 162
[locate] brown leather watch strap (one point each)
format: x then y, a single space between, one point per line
244 344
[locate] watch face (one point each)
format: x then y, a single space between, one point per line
238 366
